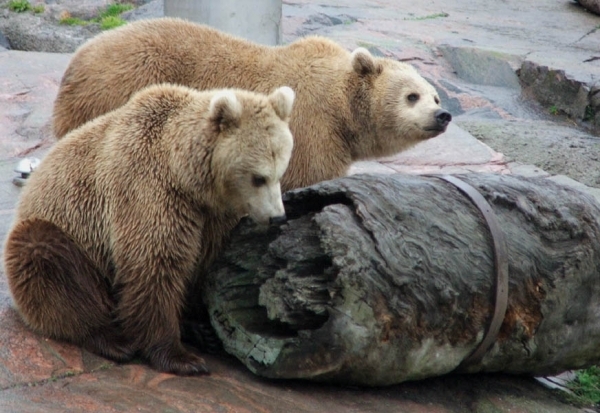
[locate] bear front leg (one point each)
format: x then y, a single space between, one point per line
150 306
58 290
152 279
196 328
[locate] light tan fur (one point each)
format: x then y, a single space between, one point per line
349 106
124 212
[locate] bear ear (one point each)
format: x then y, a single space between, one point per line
282 100
363 62
225 110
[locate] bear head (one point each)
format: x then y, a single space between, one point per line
252 151
405 108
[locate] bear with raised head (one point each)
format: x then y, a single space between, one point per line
125 212
349 106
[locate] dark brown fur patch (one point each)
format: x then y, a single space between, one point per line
59 291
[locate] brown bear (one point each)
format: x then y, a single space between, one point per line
349 106
104 249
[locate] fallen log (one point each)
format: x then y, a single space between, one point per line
376 280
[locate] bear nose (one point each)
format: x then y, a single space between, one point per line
443 117
278 220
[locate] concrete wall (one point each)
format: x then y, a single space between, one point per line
256 20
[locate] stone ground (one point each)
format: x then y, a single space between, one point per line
523 83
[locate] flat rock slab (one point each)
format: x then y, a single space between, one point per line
453 151
28 85
232 390
573 151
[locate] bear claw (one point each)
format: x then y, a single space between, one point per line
180 362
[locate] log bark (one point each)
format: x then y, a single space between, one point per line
376 280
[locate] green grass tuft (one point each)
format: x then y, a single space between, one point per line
110 22
589 113
107 18
586 386
19 6
115 9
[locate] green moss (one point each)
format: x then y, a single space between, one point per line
104 366
428 17
73 21
38 8
65 374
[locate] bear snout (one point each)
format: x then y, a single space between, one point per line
443 118
280 220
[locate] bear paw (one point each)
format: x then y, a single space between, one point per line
110 346
177 360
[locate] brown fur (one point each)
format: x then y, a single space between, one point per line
124 212
348 107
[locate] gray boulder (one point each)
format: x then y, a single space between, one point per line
26 31
42 32
4 43
148 10
591 5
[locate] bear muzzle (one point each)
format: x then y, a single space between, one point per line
277 221
443 118
274 221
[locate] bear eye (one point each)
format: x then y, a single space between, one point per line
437 100
413 97
258 181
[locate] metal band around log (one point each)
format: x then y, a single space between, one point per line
500 266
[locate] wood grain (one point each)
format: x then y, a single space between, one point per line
381 279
